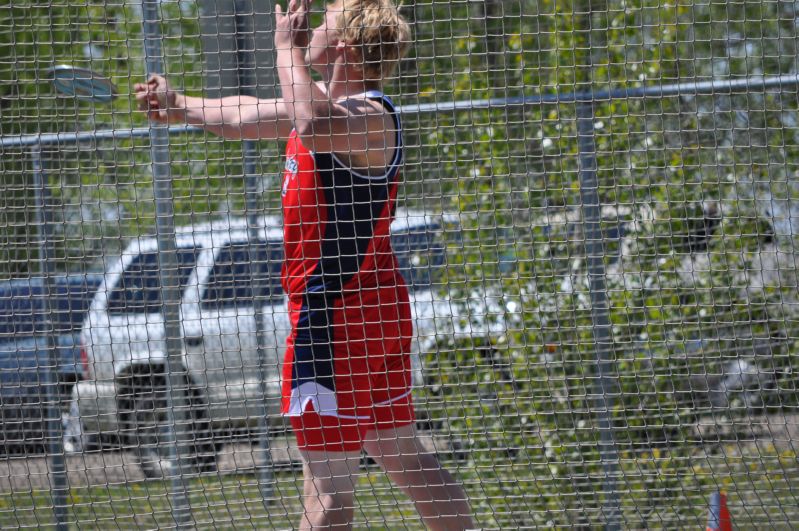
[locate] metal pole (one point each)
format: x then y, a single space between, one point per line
247 81
55 446
177 429
263 457
604 383
703 88
691 88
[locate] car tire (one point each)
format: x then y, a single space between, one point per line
144 420
24 425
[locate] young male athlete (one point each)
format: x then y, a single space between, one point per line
347 371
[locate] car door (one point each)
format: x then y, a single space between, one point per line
132 329
420 253
274 312
229 335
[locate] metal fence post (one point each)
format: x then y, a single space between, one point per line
54 429
247 85
604 383
263 457
177 402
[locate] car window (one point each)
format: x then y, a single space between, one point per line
420 253
23 305
230 284
20 308
139 288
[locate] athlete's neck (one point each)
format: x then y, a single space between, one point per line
340 91
345 80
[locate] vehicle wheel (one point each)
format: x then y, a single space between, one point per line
24 425
75 438
145 423
12 436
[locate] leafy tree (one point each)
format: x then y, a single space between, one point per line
102 191
512 175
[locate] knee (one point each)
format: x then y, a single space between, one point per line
329 495
400 454
408 463
336 502
325 510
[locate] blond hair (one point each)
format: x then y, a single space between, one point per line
378 32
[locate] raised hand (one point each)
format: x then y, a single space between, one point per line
292 28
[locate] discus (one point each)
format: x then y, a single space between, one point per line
81 83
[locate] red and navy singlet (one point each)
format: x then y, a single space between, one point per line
348 303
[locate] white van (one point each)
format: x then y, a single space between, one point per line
124 392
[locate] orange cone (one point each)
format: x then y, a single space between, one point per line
719 516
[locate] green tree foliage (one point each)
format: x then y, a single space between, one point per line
102 192
682 306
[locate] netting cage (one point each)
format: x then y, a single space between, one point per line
594 218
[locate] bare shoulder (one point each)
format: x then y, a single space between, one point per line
360 108
372 135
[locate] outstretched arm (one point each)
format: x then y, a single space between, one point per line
232 117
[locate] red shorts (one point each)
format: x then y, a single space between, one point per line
347 369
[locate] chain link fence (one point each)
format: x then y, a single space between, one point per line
596 224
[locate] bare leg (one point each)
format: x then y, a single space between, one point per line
440 500
328 488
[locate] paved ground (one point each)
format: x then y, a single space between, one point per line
116 467
30 473
25 474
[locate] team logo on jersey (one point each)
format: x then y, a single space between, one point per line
292 166
290 172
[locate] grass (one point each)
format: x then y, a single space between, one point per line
657 491
227 502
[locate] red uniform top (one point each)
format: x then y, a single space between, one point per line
339 270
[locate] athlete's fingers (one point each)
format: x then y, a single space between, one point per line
144 96
142 102
156 82
142 89
299 16
156 86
